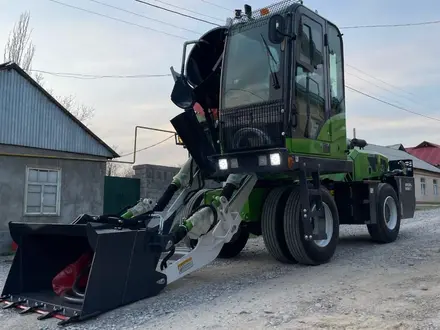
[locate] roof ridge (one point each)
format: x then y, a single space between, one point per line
18 69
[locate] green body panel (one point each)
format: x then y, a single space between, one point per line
252 208
338 177
330 143
367 165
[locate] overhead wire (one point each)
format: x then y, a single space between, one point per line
176 12
389 25
188 10
378 79
390 104
119 20
84 76
143 16
216 5
383 88
95 76
148 147
372 26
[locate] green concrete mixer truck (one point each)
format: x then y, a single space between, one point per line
263 113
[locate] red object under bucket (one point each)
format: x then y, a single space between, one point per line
14 246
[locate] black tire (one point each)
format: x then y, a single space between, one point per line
272 228
236 245
386 201
309 252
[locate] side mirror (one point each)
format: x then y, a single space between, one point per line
277 25
182 94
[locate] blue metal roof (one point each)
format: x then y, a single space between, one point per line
31 117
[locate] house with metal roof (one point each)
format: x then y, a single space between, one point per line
428 151
52 167
427 176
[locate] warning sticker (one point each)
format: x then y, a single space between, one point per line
185 265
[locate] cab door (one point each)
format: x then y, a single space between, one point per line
337 118
310 82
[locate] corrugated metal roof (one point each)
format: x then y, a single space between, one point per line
428 154
31 117
398 146
395 154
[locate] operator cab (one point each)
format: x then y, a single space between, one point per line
276 77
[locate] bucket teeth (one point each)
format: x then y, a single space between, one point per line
49 314
31 309
69 320
14 304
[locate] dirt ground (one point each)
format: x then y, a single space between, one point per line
365 286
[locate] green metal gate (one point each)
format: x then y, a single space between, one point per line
119 193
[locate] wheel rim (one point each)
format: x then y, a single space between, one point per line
390 212
328 226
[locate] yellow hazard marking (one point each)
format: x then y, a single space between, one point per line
185 265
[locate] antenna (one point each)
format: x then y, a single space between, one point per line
354 133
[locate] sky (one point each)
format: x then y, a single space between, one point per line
70 40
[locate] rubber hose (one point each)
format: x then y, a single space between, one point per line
163 264
166 197
228 190
179 234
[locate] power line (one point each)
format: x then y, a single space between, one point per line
218 6
352 26
94 76
176 12
381 87
389 25
382 81
150 146
391 104
188 10
143 16
117 19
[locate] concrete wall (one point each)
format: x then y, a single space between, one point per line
155 179
429 196
81 187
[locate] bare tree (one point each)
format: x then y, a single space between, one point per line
19 47
118 169
81 111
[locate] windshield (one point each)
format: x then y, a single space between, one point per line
251 68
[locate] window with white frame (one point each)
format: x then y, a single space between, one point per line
435 187
42 191
423 186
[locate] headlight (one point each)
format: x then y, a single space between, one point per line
275 159
223 164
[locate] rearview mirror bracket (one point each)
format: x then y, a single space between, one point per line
277 28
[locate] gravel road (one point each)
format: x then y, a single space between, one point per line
365 286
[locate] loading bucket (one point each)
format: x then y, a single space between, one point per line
123 269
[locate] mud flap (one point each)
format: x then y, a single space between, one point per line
407 196
123 269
